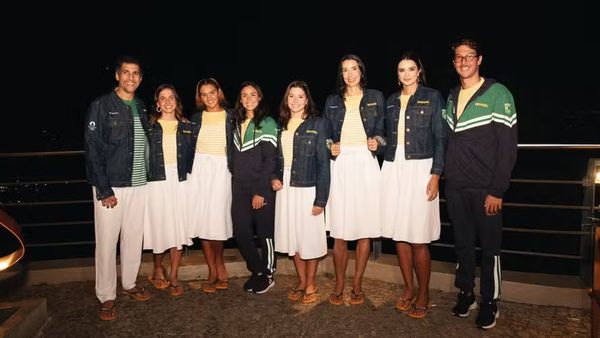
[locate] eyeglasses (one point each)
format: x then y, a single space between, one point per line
469 58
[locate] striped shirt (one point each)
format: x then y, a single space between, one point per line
169 140
287 140
353 131
138 175
211 139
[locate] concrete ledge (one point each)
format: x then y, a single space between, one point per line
519 287
30 316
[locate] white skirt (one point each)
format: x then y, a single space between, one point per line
296 229
209 198
353 207
164 218
406 214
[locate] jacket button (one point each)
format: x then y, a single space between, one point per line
408 130
421 112
407 156
407 142
407 117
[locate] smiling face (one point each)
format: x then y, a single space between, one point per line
209 95
408 73
351 73
249 98
297 100
167 102
129 77
466 62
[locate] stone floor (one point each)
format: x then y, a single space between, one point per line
73 312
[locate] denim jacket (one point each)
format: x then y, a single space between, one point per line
371 112
310 164
108 141
197 120
184 137
425 133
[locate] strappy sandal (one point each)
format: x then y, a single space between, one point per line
404 304
357 298
176 290
222 284
209 287
336 298
309 297
138 293
160 283
418 312
294 294
108 312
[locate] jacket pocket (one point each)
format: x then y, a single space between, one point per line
117 128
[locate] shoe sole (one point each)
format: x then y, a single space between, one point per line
266 289
487 327
466 314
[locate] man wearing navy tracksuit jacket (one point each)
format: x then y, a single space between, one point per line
481 154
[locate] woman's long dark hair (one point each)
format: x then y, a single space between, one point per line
261 111
284 110
155 114
340 79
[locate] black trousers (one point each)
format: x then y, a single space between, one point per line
247 223
469 221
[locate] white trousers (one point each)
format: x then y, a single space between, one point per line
127 220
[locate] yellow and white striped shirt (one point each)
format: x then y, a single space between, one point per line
353 132
169 140
211 139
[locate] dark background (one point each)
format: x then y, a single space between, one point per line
547 56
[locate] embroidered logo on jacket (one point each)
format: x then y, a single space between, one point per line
422 102
479 104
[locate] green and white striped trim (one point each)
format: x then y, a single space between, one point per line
251 143
508 121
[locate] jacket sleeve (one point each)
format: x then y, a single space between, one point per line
439 129
379 128
268 151
323 165
94 144
505 131
278 171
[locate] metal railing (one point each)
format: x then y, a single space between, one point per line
588 206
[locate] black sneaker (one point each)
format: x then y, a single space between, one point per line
466 302
487 315
264 283
251 283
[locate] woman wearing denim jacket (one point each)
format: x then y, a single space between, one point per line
302 185
416 137
209 197
169 138
355 115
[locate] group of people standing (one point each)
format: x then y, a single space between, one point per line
239 172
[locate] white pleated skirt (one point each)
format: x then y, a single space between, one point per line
209 198
165 216
406 214
296 229
353 207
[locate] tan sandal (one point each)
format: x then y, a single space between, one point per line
336 298
404 304
108 311
357 298
138 293
309 297
418 312
295 294
222 284
176 290
209 287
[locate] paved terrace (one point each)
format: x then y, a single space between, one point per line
73 307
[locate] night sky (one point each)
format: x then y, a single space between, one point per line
549 57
